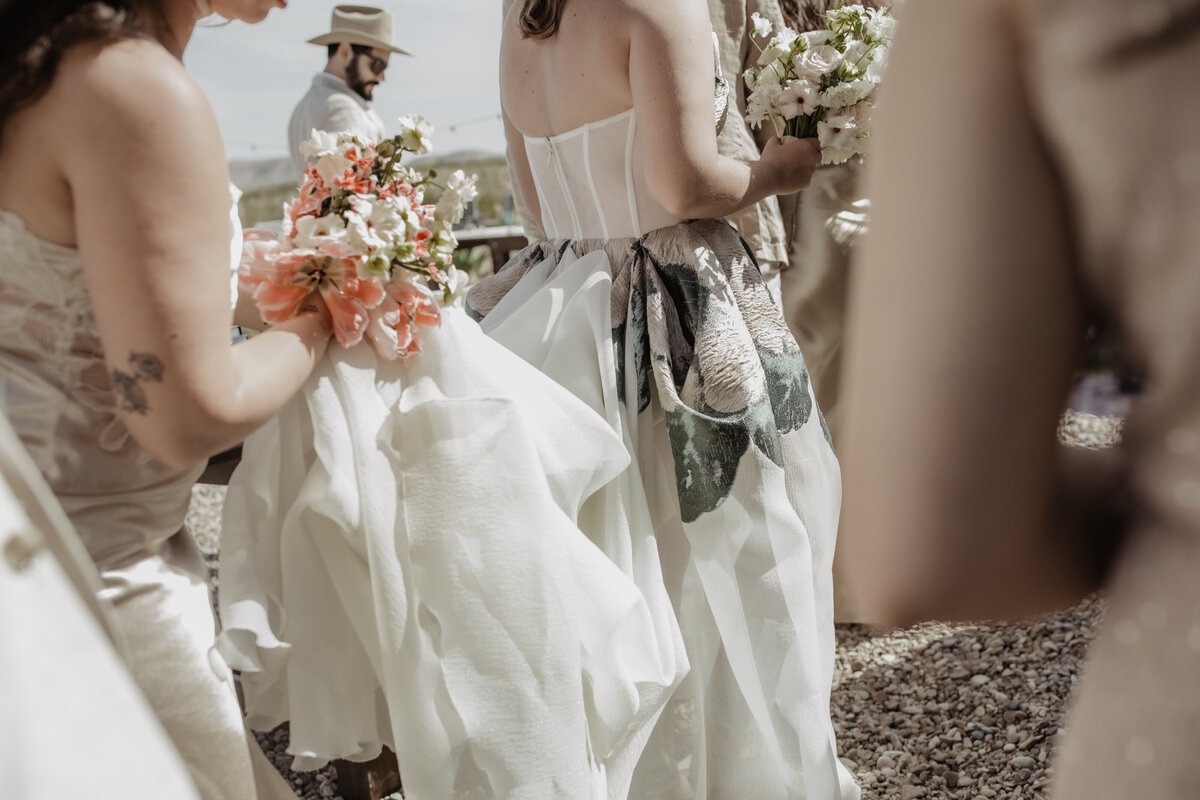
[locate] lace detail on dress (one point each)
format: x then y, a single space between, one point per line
47 325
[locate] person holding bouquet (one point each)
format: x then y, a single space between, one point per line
116 370
727 513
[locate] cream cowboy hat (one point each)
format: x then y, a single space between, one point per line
363 25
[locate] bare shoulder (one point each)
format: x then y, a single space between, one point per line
133 86
660 13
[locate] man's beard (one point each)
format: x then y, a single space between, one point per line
362 85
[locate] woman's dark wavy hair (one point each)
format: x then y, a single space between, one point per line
540 18
34 34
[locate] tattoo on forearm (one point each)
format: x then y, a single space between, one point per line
128 385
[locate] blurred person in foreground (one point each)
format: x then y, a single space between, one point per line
64 687
997 233
118 241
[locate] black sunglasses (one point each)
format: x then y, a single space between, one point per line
378 65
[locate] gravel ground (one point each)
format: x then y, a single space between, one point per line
934 711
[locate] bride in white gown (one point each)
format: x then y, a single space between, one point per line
588 557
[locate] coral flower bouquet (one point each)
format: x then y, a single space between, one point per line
821 83
361 234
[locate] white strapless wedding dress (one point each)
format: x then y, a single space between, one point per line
588 557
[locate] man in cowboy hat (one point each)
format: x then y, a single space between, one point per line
359 44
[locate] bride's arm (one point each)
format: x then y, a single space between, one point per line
143 159
670 75
964 326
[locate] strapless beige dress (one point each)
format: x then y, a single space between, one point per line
127 508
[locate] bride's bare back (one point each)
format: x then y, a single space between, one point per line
577 76
654 56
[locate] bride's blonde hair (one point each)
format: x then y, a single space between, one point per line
540 18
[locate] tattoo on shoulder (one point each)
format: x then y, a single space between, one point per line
128 385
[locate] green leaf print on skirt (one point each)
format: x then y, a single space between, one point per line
694 326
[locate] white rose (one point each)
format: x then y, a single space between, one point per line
817 61
762 26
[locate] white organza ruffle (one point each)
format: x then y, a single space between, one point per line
402 565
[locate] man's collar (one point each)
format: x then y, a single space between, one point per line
332 81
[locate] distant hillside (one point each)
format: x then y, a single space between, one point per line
249 174
266 183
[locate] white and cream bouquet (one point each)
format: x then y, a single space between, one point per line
821 83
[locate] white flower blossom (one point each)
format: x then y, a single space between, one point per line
332 166
360 233
846 19
817 38
320 143
848 93
762 26
799 99
772 74
881 26
763 103
786 38
312 232
844 135
460 190
415 133
857 55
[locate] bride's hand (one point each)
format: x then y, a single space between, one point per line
792 161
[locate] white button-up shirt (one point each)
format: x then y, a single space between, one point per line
330 105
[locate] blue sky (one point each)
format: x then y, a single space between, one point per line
254 74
